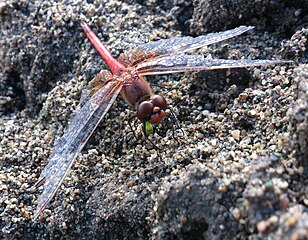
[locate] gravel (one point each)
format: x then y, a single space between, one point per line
240 172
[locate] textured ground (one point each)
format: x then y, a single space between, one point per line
241 171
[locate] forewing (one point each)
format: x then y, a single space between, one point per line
184 44
71 143
177 45
185 63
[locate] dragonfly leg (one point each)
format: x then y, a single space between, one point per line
132 130
147 138
175 125
138 138
131 127
39 183
152 143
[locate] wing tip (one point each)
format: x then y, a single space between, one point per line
245 28
40 208
276 61
36 215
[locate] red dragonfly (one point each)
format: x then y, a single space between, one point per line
126 77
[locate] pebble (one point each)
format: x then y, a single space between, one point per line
292 221
235 116
213 142
236 213
284 201
252 112
236 134
243 97
262 226
128 166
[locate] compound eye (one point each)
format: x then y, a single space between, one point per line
144 110
159 101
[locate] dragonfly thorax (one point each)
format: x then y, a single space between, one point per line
135 89
152 110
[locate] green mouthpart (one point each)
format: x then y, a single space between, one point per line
148 128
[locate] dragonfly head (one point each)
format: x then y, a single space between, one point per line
153 110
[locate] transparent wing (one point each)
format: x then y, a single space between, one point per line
177 45
184 44
71 143
185 63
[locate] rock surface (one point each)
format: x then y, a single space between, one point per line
214 185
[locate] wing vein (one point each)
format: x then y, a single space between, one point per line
72 142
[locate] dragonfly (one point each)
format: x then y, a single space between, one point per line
126 77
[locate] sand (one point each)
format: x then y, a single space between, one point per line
239 173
